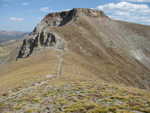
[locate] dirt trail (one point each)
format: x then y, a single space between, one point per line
60 63
37 84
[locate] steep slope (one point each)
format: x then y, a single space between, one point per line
115 51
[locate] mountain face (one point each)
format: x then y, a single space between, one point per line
78 61
42 37
9 41
11 35
106 44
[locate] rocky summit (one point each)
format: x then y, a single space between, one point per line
77 61
42 37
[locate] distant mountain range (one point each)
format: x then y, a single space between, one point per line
11 35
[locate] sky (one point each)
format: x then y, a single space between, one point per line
23 15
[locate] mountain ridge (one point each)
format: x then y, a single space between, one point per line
78 63
109 48
57 19
99 39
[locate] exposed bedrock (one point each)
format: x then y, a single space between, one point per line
42 37
40 40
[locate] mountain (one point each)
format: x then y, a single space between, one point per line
122 48
11 35
9 41
79 61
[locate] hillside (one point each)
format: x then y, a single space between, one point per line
76 57
73 94
9 51
11 35
9 41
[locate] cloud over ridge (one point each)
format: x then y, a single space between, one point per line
127 11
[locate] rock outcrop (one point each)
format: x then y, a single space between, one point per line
40 40
62 18
42 37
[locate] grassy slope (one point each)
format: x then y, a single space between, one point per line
91 49
76 90
80 86
8 51
75 94
109 63
3 52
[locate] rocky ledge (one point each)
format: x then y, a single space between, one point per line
61 18
42 37
40 40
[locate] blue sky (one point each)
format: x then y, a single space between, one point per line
23 15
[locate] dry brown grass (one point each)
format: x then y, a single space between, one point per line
96 49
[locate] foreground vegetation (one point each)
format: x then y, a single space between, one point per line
75 96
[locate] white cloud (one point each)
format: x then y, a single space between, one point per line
138 0
133 12
15 19
45 9
25 3
54 11
123 6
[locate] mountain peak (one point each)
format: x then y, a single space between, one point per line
88 12
61 18
78 12
40 36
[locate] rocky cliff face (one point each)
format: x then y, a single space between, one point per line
40 40
62 18
42 37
